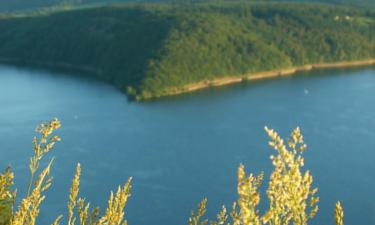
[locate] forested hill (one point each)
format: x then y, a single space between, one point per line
366 3
155 50
14 5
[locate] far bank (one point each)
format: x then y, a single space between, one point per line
263 75
150 51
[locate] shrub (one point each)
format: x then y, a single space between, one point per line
292 199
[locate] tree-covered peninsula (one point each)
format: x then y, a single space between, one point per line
153 50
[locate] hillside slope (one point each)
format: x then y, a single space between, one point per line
14 5
154 50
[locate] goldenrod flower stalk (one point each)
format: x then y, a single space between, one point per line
6 182
42 146
28 210
289 192
195 217
7 196
248 197
83 211
339 214
291 198
57 220
221 217
74 189
114 214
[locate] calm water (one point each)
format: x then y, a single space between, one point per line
183 148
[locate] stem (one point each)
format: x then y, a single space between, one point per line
30 183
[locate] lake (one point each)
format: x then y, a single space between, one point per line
180 149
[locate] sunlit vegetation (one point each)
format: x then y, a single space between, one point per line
339 2
291 196
79 211
151 50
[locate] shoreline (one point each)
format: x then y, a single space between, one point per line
204 84
264 75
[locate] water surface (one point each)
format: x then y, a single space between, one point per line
183 148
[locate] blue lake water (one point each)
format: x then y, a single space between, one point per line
180 149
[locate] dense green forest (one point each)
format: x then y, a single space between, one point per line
151 50
11 5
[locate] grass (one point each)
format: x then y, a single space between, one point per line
292 198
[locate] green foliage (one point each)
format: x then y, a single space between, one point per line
28 5
151 50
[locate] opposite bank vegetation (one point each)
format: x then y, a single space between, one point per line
292 199
154 50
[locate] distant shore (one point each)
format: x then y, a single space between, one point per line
205 83
266 75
